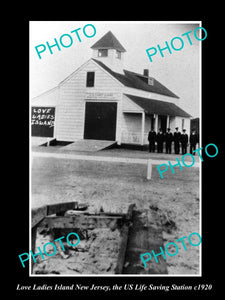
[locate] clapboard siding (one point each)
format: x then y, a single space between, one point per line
131 128
131 121
129 106
71 107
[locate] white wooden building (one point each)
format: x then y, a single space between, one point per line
101 100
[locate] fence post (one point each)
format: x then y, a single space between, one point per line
149 169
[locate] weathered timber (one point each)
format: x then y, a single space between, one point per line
82 221
130 211
64 216
33 242
38 214
127 215
60 208
123 246
145 235
124 239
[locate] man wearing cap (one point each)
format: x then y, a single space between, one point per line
176 138
184 141
152 139
169 139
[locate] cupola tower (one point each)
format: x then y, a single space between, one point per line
109 51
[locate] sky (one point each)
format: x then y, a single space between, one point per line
179 71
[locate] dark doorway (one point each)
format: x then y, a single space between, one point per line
100 121
163 123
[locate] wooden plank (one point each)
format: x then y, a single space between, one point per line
144 236
60 208
127 215
123 246
88 145
33 243
82 221
37 214
124 239
130 211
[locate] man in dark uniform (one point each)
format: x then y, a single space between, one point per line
168 139
193 141
152 139
160 140
184 141
176 138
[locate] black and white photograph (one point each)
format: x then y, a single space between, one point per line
119 154
97 138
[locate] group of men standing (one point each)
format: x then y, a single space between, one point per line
177 137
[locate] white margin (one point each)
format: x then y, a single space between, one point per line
200 174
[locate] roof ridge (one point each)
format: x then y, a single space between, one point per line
139 74
130 80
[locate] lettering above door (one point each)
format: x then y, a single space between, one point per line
101 95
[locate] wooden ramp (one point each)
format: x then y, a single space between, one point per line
89 145
39 141
145 235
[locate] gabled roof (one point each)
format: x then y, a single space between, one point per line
151 106
108 41
132 79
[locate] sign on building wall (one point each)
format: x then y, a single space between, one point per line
42 121
102 96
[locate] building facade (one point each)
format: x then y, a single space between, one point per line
102 101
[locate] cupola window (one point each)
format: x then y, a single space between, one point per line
103 52
118 54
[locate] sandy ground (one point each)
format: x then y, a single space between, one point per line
113 186
97 253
